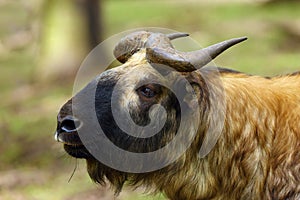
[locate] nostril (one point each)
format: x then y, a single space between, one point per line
70 124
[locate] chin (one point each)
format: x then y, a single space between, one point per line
77 151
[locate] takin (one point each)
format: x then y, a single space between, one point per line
248 125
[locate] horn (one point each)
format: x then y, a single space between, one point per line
173 36
138 40
130 45
163 41
188 61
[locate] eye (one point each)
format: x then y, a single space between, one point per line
147 91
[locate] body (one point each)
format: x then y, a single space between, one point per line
256 156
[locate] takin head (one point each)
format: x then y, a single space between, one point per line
156 100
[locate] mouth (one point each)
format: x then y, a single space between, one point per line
73 145
77 151
67 134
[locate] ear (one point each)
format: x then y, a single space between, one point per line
191 98
187 93
196 91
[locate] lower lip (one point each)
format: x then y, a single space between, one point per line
64 138
75 146
77 151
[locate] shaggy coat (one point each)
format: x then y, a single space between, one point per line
257 155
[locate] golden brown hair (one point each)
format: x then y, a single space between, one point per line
256 156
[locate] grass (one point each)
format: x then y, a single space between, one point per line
28 108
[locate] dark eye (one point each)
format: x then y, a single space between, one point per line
147 92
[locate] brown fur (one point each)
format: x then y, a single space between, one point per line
257 156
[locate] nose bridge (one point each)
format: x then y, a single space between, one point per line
66 110
68 125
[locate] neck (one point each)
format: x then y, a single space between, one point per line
236 167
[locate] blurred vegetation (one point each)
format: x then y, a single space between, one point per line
32 164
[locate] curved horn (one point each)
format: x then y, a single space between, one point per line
189 61
130 45
173 36
138 40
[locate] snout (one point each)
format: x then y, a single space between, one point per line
70 124
67 130
67 133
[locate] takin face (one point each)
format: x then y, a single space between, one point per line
119 92
140 107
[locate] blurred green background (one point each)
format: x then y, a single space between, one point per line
43 42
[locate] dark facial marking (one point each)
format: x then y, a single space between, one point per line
148 95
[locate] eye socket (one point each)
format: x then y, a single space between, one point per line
147 91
